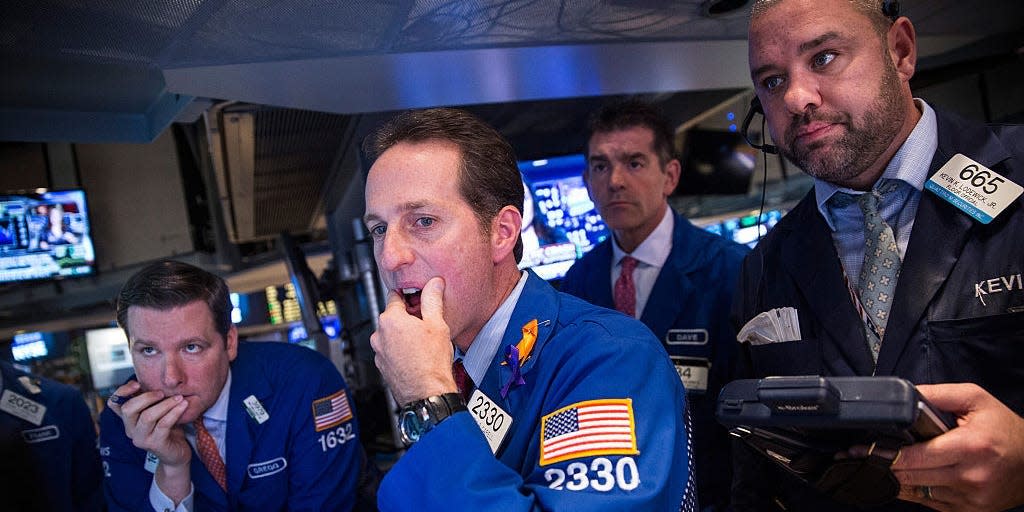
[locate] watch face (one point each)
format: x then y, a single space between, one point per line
412 427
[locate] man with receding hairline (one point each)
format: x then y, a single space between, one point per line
514 396
893 265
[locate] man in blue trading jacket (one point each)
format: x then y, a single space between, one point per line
48 456
677 279
227 425
928 288
575 407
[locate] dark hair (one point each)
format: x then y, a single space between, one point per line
168 284
489 178
632 113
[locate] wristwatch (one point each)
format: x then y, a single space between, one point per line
421 416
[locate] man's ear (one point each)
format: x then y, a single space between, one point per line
902 41
672 169
505 229
231 340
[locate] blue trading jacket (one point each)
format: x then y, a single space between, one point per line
583 356
281 464
688 310
52 465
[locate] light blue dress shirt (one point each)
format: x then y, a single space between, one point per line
909 166
485 345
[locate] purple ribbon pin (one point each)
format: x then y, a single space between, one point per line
512 358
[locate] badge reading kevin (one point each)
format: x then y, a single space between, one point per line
493 421
587 429
977 190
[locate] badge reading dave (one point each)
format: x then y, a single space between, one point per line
331 411
587 429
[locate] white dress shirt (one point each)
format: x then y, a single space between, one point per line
651 255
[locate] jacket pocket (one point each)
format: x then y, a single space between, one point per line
988 351
801 357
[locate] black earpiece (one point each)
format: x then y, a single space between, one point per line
891 9
755 108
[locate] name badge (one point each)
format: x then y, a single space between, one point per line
22 407
493 421
686 337
255 409
41 434
693 373
29 385
152 461
267 468
977 190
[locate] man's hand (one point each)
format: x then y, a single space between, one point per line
978 466
151 422
414 355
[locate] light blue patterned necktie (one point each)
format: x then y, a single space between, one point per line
880 270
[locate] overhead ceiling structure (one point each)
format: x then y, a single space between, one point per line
122 70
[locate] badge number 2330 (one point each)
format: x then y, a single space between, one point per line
489 414
336 437
602 475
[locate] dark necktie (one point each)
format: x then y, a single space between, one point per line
462 379
208 453
625 290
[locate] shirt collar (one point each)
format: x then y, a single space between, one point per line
219 410
910 164
485 345
655 248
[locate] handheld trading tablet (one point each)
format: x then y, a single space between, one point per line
803 423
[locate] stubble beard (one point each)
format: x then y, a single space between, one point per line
859 147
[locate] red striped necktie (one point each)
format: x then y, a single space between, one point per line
208 453
625 289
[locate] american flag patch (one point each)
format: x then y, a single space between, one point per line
584 429
331 411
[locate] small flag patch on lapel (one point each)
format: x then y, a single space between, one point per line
331 411
588 428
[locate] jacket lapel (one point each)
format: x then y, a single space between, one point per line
600 289
538 301
665 303
924 268
242 429
810 258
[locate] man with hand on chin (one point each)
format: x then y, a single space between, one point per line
514 396
214 424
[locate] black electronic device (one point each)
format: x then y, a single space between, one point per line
808 425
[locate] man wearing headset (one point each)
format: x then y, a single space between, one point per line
928 288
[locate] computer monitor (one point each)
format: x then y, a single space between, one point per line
110 359
741 227
715 162
45 235
560 221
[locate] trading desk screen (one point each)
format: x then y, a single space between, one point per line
45 235
743 229
560 221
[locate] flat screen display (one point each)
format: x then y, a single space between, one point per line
741 228
716 162
45 235
560 221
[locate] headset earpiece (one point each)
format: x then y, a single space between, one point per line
756 108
